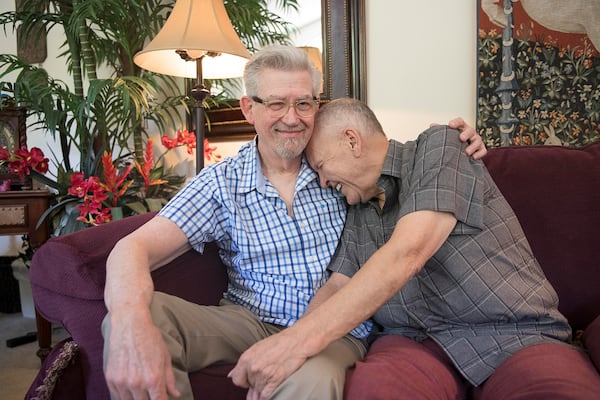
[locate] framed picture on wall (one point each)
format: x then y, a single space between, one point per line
538 72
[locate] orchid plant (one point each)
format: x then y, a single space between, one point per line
23 161
122 183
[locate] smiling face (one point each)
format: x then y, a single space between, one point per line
338 161
284 136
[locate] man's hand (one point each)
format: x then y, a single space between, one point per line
476 148
265 365
138 362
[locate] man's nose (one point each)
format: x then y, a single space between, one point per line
323 182
291 116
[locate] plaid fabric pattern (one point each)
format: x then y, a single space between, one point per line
482 296
276 262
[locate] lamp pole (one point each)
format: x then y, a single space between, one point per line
199 93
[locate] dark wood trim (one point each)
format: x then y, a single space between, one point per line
344 51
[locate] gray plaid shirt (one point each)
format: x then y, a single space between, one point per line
483 296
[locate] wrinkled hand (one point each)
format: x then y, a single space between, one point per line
476 147
138 364
264 366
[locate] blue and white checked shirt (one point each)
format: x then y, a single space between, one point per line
275 262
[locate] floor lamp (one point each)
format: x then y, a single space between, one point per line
197 37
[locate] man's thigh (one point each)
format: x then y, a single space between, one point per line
544 371
323 375
400 368
205 335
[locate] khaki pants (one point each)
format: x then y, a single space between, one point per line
198 336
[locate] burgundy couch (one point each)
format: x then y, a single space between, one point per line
555 192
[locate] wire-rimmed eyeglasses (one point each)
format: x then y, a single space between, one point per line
279 108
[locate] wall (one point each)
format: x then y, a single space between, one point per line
421 68
421 63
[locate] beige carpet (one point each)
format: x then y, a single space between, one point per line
19 365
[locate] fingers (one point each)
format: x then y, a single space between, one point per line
170 381
458 123
239 376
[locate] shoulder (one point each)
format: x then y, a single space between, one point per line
439 136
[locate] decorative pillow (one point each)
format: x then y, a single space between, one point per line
62 364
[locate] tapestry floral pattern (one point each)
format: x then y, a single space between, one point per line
558 96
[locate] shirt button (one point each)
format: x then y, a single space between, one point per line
311 259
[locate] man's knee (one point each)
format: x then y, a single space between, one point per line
324 375
316 379
542 372
400 368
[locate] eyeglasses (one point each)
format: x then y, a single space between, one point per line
279 108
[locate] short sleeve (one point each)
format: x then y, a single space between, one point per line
445 179
195 210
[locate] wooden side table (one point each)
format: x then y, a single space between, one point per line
20 211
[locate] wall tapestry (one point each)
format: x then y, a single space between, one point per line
538 72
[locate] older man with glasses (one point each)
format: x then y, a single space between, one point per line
276 229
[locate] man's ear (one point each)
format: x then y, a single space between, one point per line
246 105
354 141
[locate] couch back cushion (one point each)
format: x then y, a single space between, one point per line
555 192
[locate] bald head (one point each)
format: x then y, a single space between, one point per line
333 117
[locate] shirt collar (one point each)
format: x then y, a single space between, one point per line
390 170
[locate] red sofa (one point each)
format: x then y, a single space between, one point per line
555 192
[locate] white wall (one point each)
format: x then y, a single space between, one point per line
421 63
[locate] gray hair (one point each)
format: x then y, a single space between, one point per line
281 58
340 113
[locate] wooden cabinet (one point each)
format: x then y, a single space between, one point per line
20 211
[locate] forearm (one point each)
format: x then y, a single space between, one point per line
416 238
332 286
356 302
128 281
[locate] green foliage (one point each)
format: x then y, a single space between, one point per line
558 96
97 113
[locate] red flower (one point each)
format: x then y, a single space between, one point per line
210 152
184 138
24 160
114 182
168 142
91 210
146 168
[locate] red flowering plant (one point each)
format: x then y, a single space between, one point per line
188 139
124 186
23 161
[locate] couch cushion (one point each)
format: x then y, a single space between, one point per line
555 192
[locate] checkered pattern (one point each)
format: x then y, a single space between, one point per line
482 296
277 262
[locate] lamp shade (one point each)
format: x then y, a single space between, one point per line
198 27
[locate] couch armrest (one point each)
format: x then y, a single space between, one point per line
68 274
591 341
74 264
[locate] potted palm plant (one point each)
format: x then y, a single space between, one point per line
107 107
